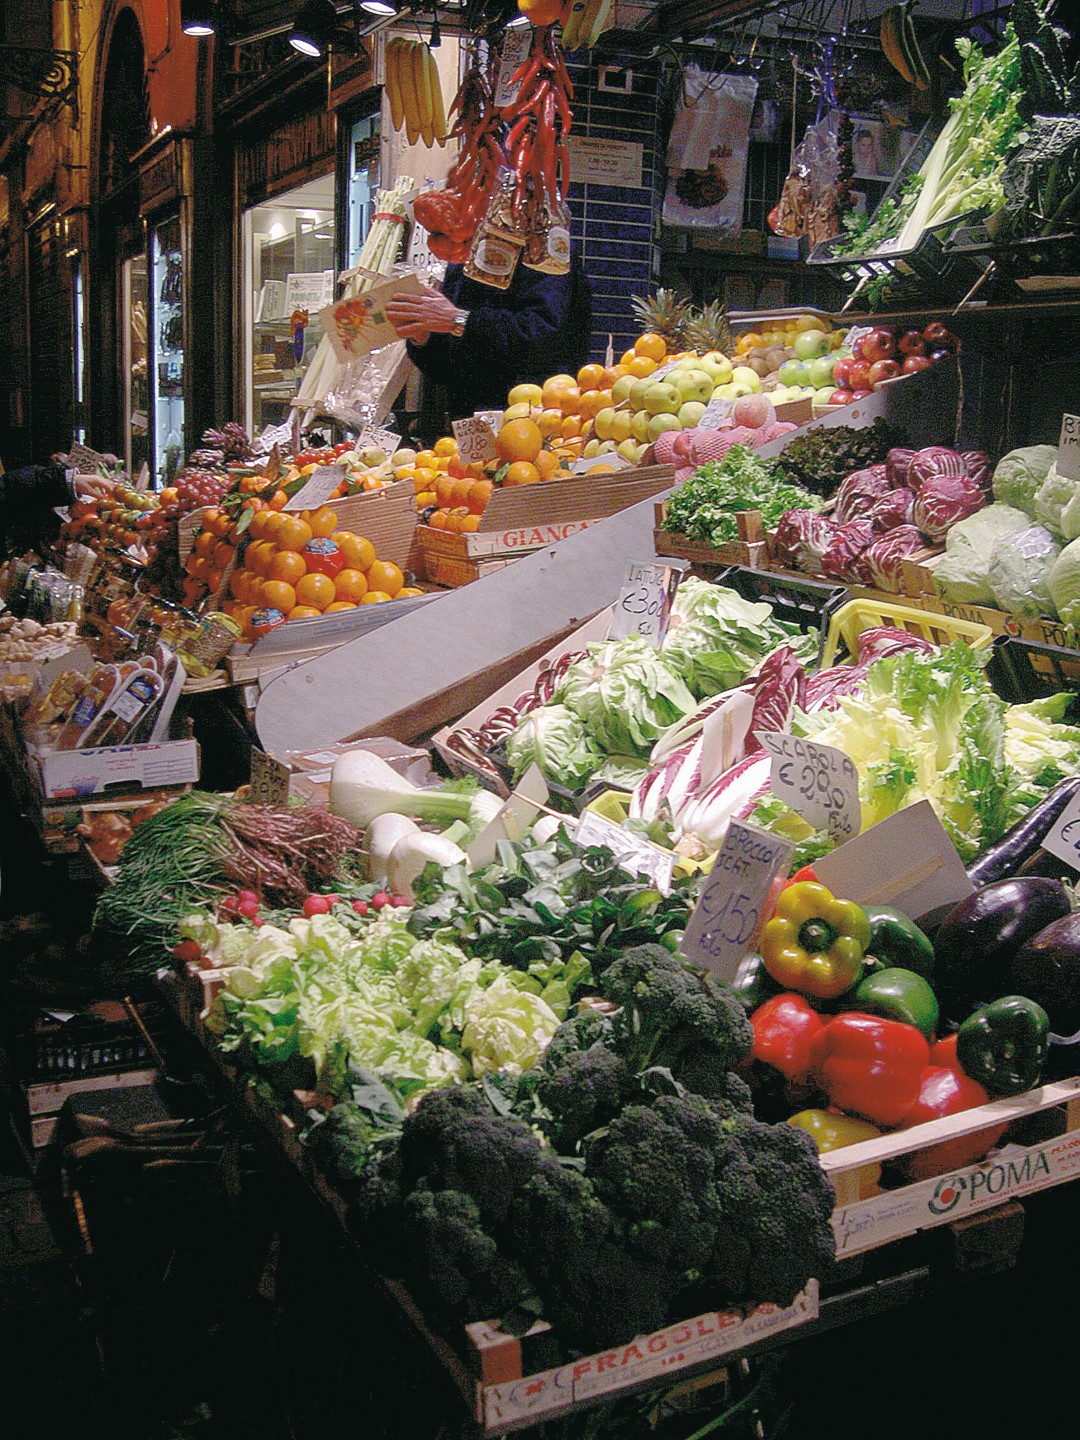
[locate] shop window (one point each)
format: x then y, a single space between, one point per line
289 252
136 322
363 171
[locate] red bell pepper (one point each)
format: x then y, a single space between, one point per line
944 1091
871 1066
786 1028
943 1052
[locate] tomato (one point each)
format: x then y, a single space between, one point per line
323 556
187 950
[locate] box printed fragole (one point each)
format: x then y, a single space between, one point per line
358 324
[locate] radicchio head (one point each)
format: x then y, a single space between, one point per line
840 560
942 501
859 491
883 559
800 539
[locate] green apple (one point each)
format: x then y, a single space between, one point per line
809 344
690 414
637 392
693 384
371 456
620 391
819 371
662 398
658 424
730 391
790 372
639 425
622 425
405 456
717 366
602 423
743 375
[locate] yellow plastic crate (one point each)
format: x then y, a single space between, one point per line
614 805
848 623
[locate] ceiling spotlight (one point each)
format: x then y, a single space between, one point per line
312 32
378 7
198 18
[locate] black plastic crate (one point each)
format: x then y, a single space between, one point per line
1025 670
937 275
809 604
1017 259
87 1044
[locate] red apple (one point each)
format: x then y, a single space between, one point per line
911 343
842 370
938 337
883 370
915 363
878 344
841 397
860 394
858 376
936 355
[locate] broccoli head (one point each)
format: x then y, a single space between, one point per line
577 1032
454 1140
455 1263
669 1012
586 1091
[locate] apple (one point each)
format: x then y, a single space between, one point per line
809 344
717 366
842 369
690 413
693 384
607 447
630 450
842 397
791 372
638 389
877 344
639 425
858 377
743 375
819 372
620 391
590 448
860 394
658 424
662 398
404 456
936 355
911 343
883 370
602 423
914 363
621 426
938 337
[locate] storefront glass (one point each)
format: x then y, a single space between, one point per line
363 183
289 250
135 288
167 367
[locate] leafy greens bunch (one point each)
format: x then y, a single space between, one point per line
706 504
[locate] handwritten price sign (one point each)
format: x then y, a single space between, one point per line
1063 841
644 606
1068 461
476 439
632 852
819 782
724 920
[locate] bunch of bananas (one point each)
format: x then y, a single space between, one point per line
901 45
413 91
584 21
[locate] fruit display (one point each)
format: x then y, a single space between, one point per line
413 91
125 517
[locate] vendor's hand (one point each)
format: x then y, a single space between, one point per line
92 487
415 317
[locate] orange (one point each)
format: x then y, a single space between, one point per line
426 498
404 472
570 427
323 521
748 340
293 533
358 552
278 500
204 544
277 594
653 346
408 590
444 489
426 457
213 578
386 576
549 421
470 523
216 521
446 445
350 585
315 589
591 377
570 400
303 612
375 597
424 477
240 584
373 482
519 440
460 491
223 553
242 615
546 462
640 366
480 494
258 557
438 520
521 472
287 565
272 524
336 605
455 519
553 388
592 402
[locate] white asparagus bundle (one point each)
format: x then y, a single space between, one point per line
377 258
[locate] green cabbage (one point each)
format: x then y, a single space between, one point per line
553 738
1019 571
716 638
962 573
1052 499
1018 475
506 1028
1064 584
625 692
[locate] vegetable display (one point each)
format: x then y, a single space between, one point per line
705 506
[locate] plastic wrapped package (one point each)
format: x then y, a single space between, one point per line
1019 573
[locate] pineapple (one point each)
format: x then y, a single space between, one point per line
664 314
708 329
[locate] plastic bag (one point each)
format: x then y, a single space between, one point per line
810 200
706 155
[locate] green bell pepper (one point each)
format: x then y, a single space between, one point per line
898 994
897 940
815 943
1004 1045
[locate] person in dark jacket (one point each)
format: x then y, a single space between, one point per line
479 341
28 497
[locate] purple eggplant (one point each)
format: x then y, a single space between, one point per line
978 938
1046 969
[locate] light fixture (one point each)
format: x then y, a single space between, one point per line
517 21
198 17
313 29
378 7
436 31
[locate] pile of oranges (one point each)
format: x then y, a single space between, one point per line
297 566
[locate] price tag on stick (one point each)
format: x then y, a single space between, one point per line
269 784
725 919
644 606
320 485
819 782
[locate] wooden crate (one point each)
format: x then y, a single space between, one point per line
751 548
